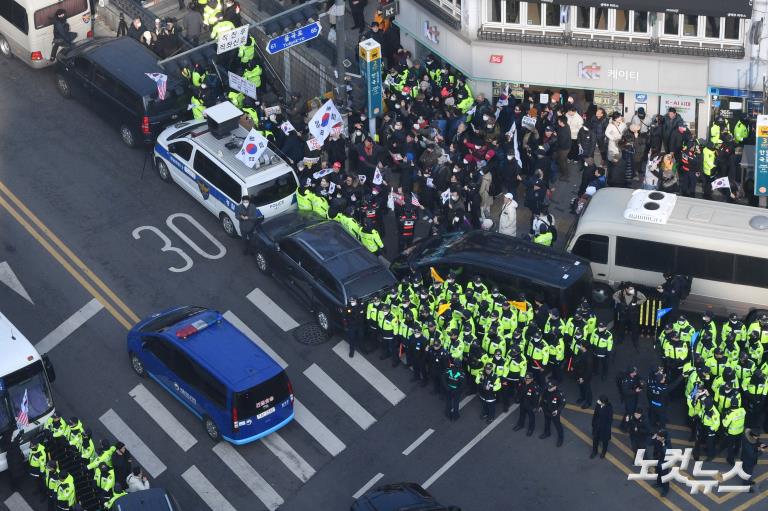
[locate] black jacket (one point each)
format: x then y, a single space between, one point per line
601 422
587 142
552 402
563 138
529 396
582 366
638 428
122 465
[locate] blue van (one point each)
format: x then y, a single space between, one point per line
213 369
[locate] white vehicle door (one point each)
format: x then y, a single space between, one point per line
180 158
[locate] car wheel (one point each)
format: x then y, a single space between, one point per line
323 320
64 88
261 262
211 429
126 133
162 171
5 47
228 225
138 366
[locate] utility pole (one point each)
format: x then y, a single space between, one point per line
341 52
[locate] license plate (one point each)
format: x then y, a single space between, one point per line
265 413
408 223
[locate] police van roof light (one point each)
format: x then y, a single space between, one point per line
192 329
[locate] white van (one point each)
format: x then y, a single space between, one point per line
637 235
22 371
26 27
188 154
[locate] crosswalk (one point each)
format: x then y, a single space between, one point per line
157 430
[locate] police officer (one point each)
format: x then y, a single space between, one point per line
249 217
628 302
733 423
552 404
116 494
709 418
630 388
517 367
658 390
406 226
437 359
529 401
417 347
388 326
638 430
660 444
65 492
370 237
454 383
582 370
356 316
602 345
488 385
104 477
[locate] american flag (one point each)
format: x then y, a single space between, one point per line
162 81
415 200
23 418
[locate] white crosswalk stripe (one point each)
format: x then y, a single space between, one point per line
272 310
240 325
17 503
252 479
138 448
288 456
206 491
69 326
372 375
367 486
339 396
317 429
163 417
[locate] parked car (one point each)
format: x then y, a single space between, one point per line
320 263
399 497
110 76
154 499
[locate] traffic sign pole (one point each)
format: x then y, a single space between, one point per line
370 66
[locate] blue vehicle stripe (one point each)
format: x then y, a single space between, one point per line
262 434
177 398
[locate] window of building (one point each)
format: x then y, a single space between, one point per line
552 15
583 17
513 11
495 12
453 7
671 24
732 28
601 18
534 13
712 27
640 22
622 20
690 25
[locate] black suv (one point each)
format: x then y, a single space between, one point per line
321 263
399 497
109 75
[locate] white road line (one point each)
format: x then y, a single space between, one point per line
206 491
288 456
372 375
339 396
466 400
252 479
367 486
317 429
464 450
408 450
258 341
17 503
67 328
272 310
138 448
163 417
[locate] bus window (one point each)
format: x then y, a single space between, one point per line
750 271
644 254
593 247
705 264
30 380
44 17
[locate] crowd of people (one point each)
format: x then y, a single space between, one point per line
70 472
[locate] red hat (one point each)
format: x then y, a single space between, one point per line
337 165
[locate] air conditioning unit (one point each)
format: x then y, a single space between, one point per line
650 206
222 119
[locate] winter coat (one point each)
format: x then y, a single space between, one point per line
563 138
485 188
587 142
670 127
508 219
614 133
598 127
601 422
575 122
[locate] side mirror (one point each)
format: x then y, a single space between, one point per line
49 370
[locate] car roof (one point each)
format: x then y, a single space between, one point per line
126 59
154 499
505 254
225 351
17 351
397 497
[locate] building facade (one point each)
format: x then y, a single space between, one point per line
700 58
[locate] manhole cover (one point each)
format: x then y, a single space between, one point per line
310 334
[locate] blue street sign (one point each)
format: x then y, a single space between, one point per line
370 68
294 38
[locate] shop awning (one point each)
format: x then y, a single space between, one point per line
718 8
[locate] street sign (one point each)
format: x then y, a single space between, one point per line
240 84
294 38
370 67
232 39
761 156
390 9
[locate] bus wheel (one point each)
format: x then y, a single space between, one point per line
211 429
5 47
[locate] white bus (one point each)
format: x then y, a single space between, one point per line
26 27
22 370
637 235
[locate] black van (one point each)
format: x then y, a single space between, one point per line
109 75
514 265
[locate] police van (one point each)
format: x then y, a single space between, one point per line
200 156
26 401
213 369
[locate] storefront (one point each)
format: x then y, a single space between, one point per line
732 104
624 81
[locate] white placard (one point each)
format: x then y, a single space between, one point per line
232 39
272 110
314 144
287 127
240 84
529 122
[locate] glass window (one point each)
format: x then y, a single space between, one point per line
293 250
19 17
641 22
690 25
159 348
705 264
622 20
31 381
101 78
217 177
601 18
181 149
582 17
712 27
750 271
263 396
128 98
273 190
44 17
552 13
534 13
209 386
83 67
732 28
513 11
593 247
671 24
644 255
495 14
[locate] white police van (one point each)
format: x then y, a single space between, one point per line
200 156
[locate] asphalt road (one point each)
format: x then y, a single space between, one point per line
75 252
